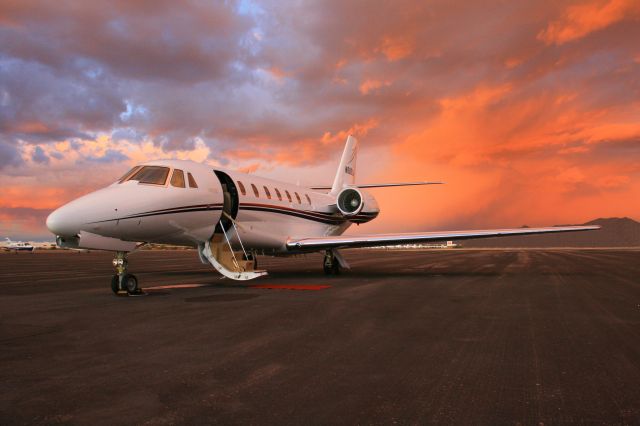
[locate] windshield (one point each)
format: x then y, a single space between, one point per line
129 173
155 175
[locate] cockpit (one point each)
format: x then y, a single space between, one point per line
157 175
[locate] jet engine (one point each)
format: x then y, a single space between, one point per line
350 202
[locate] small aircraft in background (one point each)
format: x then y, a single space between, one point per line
231 217
17 246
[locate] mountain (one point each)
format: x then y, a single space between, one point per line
615 232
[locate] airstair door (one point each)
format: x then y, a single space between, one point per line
218 251
231 202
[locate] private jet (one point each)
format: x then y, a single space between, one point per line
17 246
232 217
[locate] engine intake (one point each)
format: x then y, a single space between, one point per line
350 202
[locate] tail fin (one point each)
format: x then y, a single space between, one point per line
346 174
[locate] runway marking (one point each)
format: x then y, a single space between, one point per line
289 287
172 286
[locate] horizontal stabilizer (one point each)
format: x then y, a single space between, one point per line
379 185
323 243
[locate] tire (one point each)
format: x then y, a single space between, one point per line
327 270
336 268
115 281
130 283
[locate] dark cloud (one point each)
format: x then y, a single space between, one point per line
9 156
39 156
42 105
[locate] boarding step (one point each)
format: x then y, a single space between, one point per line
229 263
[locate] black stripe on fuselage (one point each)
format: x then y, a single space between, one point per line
173 210
315 216
326 218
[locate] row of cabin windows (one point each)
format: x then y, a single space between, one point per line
157 175
268 193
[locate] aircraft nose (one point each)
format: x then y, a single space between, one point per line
60 222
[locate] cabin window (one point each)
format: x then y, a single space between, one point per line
255 191
242 190
177 179
278 194
308 199
128 174
288 195
266 191
154 175
298 198
192 181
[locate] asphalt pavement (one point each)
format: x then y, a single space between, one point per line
427 337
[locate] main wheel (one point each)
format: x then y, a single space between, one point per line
115 284
130 283
328 270
336 267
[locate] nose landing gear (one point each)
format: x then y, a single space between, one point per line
123 283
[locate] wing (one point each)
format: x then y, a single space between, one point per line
322 243
379 185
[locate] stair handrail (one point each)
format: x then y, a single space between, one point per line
235 261
233 222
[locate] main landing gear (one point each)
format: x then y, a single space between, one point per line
330 264
123 283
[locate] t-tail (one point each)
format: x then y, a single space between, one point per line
346 174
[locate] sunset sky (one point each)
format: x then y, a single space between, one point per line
528 110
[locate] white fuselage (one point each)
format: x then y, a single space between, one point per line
163 213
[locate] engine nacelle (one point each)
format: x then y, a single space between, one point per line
356 205
350 202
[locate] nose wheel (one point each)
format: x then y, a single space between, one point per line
123 283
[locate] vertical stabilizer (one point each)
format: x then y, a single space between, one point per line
346 174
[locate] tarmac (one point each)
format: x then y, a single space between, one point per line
496 337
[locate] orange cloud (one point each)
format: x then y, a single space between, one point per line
582 19
497 152
396 48
370 85
251 168
31 127
359 130
277 73
35 196
613 181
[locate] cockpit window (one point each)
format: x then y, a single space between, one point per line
177 179
192 181
155 175
128 174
